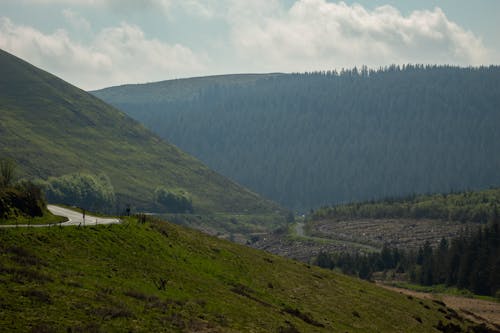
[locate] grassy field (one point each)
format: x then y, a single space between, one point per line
481 309
47 218
158 276
442 289
236 227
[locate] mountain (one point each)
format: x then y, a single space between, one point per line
52 129
308 140
159 277
171 90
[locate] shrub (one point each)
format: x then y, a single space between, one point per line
84 190
7 172
174 201
23 199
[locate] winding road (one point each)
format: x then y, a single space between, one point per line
74 218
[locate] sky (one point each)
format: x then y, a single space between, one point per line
99 43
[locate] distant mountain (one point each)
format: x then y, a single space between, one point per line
307 140
172 90
51 128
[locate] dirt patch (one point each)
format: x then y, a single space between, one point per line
477 310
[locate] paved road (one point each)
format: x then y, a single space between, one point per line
74 218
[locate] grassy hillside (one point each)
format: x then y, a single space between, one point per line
24 204
313 139
52 128
161 277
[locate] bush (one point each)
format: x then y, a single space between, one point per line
83 190
173 201
7 172
23 199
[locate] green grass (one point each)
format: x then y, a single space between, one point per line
443 289
225 223
51 128
162 277
47 218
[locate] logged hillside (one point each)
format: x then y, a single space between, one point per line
306 140
51 128
157 276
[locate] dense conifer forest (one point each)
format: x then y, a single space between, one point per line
470 261
307 140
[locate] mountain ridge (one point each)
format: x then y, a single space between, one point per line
52 128
313 139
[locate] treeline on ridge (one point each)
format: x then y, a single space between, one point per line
471 206
314 139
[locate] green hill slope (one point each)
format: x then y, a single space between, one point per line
470 206
52 128
159 277
307 140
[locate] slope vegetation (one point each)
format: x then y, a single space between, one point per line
471 206
52 129
154 276
307 140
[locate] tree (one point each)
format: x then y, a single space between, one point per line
174 201
92 192
324 260
7 172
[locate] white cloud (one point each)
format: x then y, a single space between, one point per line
256 36
115 5
316 34
74 19
116 55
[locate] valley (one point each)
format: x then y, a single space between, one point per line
169 245
305 241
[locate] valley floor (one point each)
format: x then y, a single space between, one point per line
477 310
